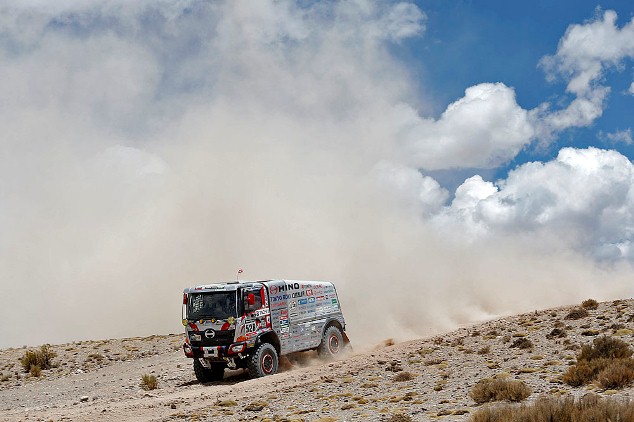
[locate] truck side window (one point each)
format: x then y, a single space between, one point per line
258 298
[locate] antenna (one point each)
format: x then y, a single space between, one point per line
240 271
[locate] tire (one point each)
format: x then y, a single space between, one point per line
263 362
331 345
215 373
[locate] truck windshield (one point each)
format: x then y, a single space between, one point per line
217 305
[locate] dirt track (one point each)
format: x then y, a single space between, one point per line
100 380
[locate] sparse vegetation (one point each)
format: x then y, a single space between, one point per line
587 409
590 304
149 382
42 358
496 389
577 313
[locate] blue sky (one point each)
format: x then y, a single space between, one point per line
155 144
469 42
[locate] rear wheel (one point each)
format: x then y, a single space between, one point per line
331 343
264 361
214 373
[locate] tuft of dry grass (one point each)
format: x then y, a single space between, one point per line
577 313
590 304
149 382
495 389
400 417
590 408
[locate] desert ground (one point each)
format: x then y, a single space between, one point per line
423 380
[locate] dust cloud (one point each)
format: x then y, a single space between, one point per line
126 176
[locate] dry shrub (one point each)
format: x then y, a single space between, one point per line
590 408
577 313
522 343
42 358
403 376
618 374
484 350
556 333
590 304
149 382
605 347
607 361
492 389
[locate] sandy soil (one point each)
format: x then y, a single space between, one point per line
426 379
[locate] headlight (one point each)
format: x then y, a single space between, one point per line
237 348
194 337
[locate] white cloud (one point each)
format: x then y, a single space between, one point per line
583 55
483 129
632 88
620 136
586 49
584 198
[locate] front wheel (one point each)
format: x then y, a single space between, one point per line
215 372
263 361
331 343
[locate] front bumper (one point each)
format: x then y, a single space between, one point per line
213 352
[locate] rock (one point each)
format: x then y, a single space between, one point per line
83 399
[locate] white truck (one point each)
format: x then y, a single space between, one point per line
251 324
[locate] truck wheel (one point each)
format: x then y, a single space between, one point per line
215 373
331 344
263 362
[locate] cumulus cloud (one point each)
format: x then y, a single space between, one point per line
583 198
483 129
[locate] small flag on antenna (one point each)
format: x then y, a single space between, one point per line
240 271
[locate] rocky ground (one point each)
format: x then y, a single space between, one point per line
421 380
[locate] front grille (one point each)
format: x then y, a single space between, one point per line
222 338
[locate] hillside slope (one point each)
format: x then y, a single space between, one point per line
426 379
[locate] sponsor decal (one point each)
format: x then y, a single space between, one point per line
250 327
261 312
334 301
293 305
320 298
309 292
311 300
303 301
274 290
289 286
298 294
209 333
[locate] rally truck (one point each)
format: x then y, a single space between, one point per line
251 324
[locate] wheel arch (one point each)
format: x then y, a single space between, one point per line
335 323
270 337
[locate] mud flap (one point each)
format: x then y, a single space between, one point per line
346 342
